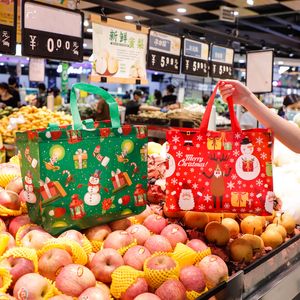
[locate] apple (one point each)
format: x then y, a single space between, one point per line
52 261
73 235
118 239
119 224
98 233
272 238
155 223
217 233
197 245
140 286
11 240
241 250
31 286
287 221
147 296
16 223
139 232
2 226
94 293
171 289
61 297
73 279
195 220
252 225
175 234
10 200
15 185
104 263
214 269
255 241
17 266
35 239
193 279
158 243
233 227
160 262
279 228
27 228
142 216
105 289
136 256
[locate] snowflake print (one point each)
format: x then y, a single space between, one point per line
227 205
208 134
210 169
174 181
210 207
207 183
234 177
199 179
230 185
250 210
236 144
199 138
258 149
259 182
239 182
172 206
185 173
234 209
195 186
231 160
175 139
227 196
263 156
257 209
263 175
188 148
189 181
259 140
236 152
202 207
177 174
192 170
244 185
251 194
237 136
251 186
218 153
174 147
198 145
243 209
207 198
179 154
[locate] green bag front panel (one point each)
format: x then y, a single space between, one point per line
81 178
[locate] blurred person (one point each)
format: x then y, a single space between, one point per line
102 110
169 98
291 106
133 106
205 99
12 83
158 97
58 101
6 96
127 95
42 97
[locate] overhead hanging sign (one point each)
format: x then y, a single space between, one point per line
8 25
51 32
164 52
119 51
195 58
221 65
37 69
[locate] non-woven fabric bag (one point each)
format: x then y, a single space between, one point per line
220 171
87 174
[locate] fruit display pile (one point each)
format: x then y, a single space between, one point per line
29 118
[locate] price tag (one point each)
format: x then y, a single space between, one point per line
51 32
195 58
164 52
221 65
37 70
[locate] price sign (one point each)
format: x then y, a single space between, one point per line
8 24
164 52
221 65
195 58
40 26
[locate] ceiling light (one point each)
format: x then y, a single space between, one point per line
176 19
235 13
84 45
280 62
241 61
129 18
202 37
22 65
250 2
181 10
1 64
89 30
86 23
291 54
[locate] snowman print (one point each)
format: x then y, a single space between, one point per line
28 188
92 197
247 165
186 198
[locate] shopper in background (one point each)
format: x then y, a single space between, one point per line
12 83
42 98
169 98
291 106
6 96
205 99
102 110
127 95
284 131
158 97
58 101
133 106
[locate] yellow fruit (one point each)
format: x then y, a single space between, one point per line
232 225
272 238
279 228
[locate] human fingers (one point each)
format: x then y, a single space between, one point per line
227 93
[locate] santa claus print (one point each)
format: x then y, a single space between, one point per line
186 198
92 197
29 188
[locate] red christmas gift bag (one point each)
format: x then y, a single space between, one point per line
219 171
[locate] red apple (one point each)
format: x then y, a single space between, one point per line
27 228
94 293
16 223
147 296
118 239
157 209
119 224
160 262
73 235
15 185
193 279
98 233
171 289
35 239
155 223
31 286
10 200
142 216
2 226
139 232
140 286
73 279
156 243
11 240
61 297
17 266
52 261
197 245
136 256
175 234
104 263
105 289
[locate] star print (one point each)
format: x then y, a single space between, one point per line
207 198
230 185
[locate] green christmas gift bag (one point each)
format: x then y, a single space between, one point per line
83 175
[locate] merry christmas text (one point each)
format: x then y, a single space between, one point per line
192 161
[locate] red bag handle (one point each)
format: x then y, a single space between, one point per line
205 120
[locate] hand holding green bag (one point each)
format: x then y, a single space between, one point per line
89 174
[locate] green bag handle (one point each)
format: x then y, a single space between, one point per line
112 104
